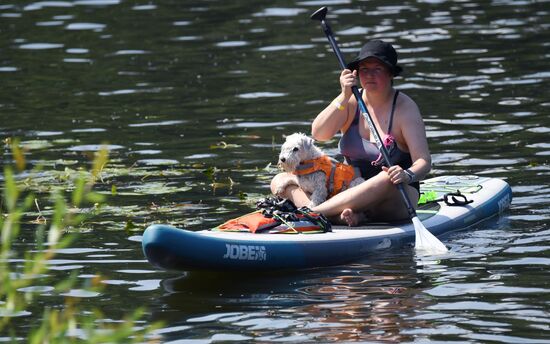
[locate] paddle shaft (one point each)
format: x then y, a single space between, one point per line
320 15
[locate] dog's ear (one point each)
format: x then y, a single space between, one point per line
308 141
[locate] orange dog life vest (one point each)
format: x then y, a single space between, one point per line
338 175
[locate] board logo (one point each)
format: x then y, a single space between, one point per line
503 203
245 252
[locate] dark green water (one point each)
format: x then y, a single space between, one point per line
194 97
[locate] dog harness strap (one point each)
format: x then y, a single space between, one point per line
338 175
330 180
321 163
356 170
305 168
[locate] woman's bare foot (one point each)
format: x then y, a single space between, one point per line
352 219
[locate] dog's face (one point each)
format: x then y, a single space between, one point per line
297 147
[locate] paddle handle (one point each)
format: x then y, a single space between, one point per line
333 44
320 16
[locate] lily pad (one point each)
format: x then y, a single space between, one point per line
36 144
153 188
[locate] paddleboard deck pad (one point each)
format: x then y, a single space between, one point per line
172 248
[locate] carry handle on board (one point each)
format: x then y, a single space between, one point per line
425 241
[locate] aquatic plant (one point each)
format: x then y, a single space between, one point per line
22 270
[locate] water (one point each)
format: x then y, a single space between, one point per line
194 98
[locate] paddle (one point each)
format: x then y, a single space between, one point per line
424 240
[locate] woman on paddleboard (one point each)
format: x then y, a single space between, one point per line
397 119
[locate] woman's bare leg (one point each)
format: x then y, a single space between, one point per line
378 197
394 208
358 198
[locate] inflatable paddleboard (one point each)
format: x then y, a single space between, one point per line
178 249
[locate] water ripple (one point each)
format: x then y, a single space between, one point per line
41 46
426 35
476 306
279 12
262 124
8 69
156 124
528 261
149 7
455 289
50 23
97 2
187 38
286 47
45 4
131 52
94 148
255 95
232 44
85 26
182 23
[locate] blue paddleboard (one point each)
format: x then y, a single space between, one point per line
178 249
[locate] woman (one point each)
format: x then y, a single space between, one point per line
399 123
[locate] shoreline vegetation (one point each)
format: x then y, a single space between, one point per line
23 271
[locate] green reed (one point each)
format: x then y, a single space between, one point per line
70 322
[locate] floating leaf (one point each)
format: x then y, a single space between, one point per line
154 188
36 144
65 162
210 172
224 145
217 185
129 226
65 141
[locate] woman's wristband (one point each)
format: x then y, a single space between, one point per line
411 175
338 105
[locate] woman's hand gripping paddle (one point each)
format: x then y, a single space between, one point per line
425 241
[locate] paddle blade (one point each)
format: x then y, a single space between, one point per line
426 241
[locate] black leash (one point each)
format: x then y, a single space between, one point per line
282 208
456 199
452 199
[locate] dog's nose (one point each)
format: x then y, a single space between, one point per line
282 159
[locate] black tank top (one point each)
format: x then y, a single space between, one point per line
365 155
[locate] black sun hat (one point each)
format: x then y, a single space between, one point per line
381 50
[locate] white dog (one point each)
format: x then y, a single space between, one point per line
316 173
